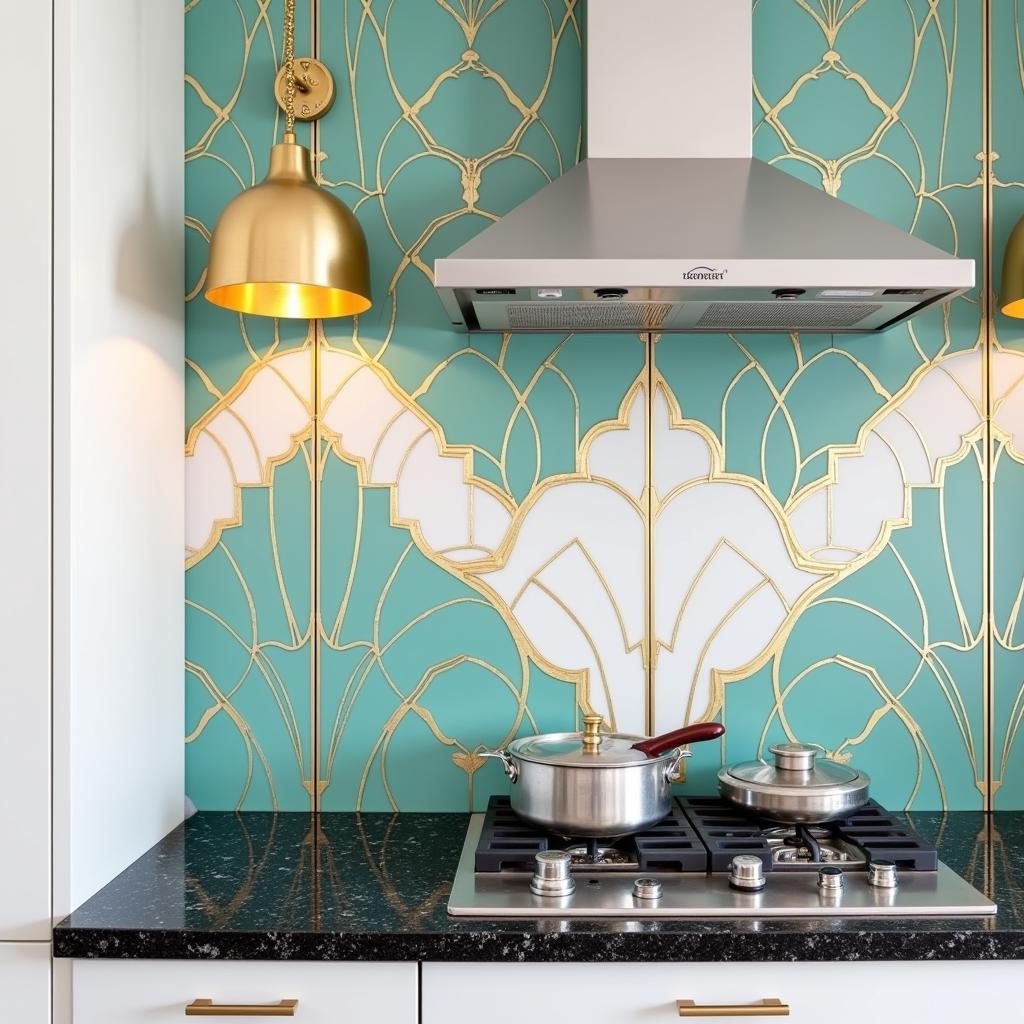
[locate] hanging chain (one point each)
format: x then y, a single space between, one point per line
289 66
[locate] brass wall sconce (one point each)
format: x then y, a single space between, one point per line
286 247
1011 289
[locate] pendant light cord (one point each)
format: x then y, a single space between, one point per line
289 68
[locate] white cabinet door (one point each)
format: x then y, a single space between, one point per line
25 345
157 991
940 993
25 982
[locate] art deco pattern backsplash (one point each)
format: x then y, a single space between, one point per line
406 544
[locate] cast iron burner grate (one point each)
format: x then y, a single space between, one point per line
507 843
882 837
727 831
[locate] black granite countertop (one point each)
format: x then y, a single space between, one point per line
375 886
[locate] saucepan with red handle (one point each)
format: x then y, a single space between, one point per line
593 784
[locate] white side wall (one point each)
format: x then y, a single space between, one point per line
25 502
118 429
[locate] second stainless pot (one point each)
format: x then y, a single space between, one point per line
797 788
593 784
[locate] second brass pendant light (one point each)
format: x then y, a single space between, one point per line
286 247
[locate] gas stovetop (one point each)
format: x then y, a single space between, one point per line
708 859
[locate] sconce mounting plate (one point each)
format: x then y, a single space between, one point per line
314 89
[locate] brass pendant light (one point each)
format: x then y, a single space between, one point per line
286 247
1011 291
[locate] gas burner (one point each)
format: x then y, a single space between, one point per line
594 857
803 855
792 834
870 833
808 846
510 844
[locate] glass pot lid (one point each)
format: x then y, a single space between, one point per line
796 766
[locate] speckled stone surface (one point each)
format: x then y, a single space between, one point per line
375 886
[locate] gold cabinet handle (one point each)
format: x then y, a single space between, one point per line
208 1008
765 1008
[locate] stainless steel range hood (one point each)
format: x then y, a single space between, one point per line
670 225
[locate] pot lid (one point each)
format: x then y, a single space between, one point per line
796 767
588 749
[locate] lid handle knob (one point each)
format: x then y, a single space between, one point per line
794 757
592 733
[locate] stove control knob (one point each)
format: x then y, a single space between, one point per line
552 874
830 878
883 874
647 889
746 873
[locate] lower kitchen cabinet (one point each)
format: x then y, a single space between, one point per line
897 992
25 982
158 991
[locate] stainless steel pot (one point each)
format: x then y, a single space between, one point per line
596 785
796 788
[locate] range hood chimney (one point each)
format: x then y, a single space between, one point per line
669 225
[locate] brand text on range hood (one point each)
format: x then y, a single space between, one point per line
669 224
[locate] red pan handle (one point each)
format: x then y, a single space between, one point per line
658 745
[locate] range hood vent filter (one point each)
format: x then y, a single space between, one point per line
596 316
785 316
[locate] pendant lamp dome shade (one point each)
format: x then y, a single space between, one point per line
1011 290
288 248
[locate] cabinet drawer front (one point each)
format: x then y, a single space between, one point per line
25 982
157 991
941 993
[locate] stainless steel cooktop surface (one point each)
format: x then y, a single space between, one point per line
830 891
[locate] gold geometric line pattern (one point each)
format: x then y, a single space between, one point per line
650 387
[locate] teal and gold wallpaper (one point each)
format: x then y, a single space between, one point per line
406 545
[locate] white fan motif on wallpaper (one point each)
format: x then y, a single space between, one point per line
567 568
